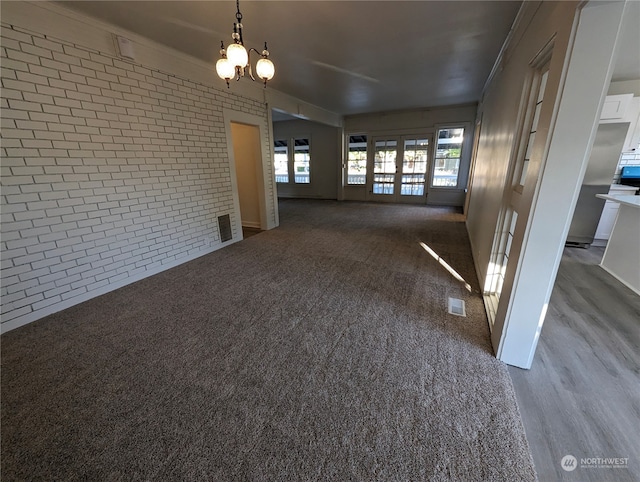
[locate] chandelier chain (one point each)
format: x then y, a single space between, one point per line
238 14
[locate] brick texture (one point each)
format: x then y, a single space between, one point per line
110 170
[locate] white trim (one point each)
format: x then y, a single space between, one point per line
251 224
525 14
300 109
342 146
271 140
264 172
63 305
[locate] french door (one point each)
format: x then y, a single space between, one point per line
398 168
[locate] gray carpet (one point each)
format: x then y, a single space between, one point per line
320 350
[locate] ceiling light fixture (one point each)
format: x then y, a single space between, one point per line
236 58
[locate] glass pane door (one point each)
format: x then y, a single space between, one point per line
414 167
384 166
398 169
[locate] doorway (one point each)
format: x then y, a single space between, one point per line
398 168
246 152
254 203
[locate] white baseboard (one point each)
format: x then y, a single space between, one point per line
251 224
49 310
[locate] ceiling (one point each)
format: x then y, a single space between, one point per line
349 57
627 65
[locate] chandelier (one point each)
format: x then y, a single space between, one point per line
236 59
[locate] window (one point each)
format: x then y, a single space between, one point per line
539 85
357 160
292 161
301 161
447 158
281 161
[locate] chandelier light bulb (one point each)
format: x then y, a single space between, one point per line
237 55
265 69
225 69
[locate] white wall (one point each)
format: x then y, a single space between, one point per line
579 74
326 158
420 121
625 87
499 111
112 170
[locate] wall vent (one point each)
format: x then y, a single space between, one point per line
224 226
456 307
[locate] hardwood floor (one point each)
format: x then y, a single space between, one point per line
582 394
248 232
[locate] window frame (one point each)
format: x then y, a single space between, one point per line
287 162
293 159
348 137
290 140
434 157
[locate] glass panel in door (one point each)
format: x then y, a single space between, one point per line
414 167
384 166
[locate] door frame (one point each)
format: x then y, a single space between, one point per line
397 196
264 172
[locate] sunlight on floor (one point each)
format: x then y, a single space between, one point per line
446 266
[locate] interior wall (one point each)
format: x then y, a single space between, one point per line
500 109
246 150
420 121
625 87
579 73
112 170
326 158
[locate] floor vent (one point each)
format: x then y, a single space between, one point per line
224 225
456 307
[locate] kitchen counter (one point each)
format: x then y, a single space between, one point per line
626 199
622 256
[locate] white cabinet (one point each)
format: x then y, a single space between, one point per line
623 108
632 142
616 106
609 214
607 220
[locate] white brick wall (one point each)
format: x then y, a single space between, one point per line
110 172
